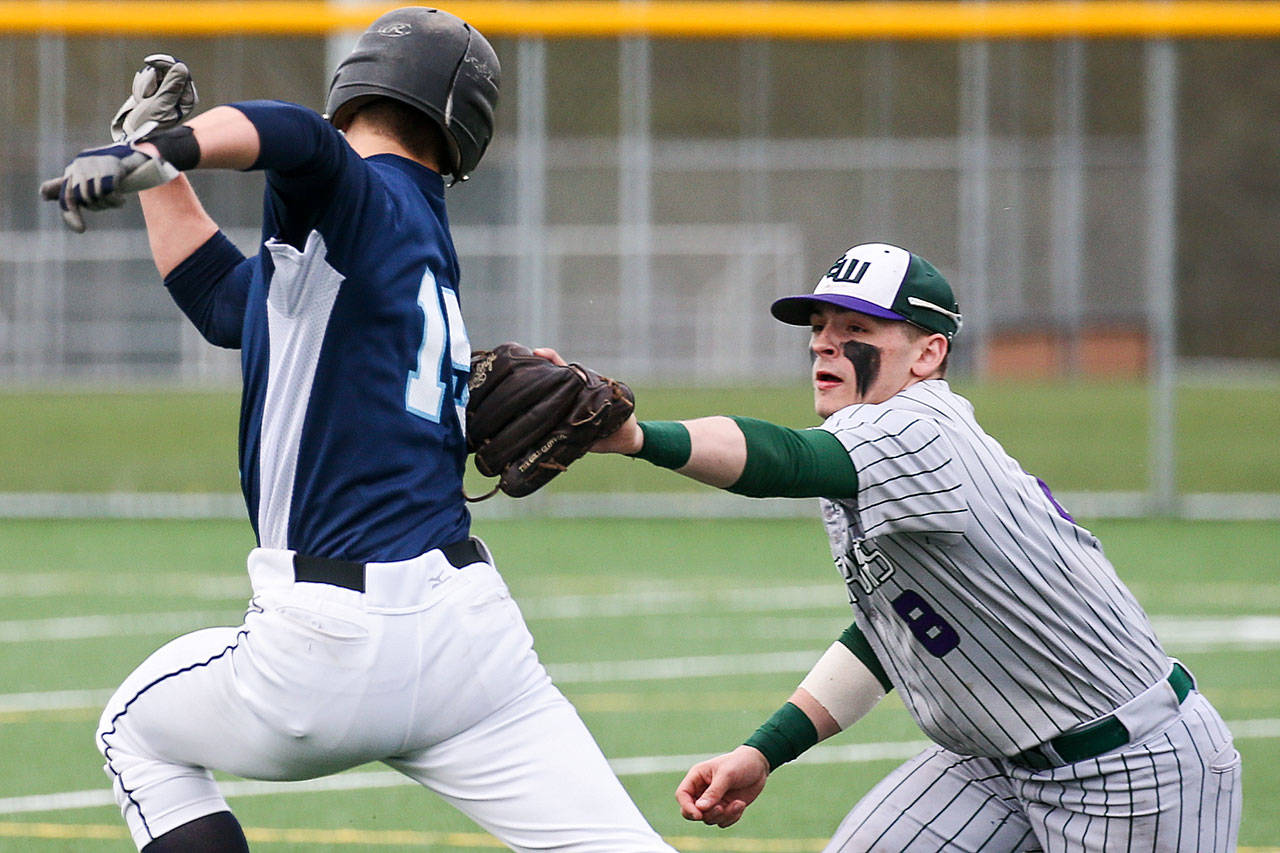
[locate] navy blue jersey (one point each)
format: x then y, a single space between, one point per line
354 353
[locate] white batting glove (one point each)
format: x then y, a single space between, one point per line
163 95
100 178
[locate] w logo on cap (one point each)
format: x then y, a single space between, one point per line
848 269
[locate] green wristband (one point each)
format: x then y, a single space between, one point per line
666 444
784 736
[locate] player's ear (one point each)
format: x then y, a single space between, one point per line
930 356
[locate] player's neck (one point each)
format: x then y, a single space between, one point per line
367 142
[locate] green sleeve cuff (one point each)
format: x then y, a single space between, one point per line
784 736
666 444
855 641
793 463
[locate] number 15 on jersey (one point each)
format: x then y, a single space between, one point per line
443 333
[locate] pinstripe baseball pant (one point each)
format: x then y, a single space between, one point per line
1174 787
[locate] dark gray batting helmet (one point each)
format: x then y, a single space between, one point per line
434 62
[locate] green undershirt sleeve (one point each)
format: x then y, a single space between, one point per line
855 641
793 463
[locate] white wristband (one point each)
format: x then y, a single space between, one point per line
843 685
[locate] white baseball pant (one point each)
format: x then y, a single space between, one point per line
430 670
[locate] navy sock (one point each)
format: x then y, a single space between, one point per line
219 832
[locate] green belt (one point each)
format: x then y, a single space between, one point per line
1090 741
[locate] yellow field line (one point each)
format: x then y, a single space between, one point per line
265 835
381 838
80 831
798 19
388 837
60 715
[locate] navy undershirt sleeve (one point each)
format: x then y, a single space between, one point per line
211 286
309 166
291 138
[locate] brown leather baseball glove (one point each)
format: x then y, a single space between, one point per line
528 418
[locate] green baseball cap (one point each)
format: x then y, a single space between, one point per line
883 281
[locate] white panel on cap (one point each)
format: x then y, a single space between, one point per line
879 269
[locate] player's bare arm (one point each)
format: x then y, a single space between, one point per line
227 139
717 446
742 455
177 223
717 451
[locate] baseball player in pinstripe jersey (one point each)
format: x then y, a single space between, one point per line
1058 721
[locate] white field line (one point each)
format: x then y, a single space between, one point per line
664 598
1184 635
98 627
638 766
1181 633
54 700
677 505
588 672
642 602
57 584
698 666
677 600
1255 728
1200 634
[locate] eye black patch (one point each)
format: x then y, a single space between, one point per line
866 364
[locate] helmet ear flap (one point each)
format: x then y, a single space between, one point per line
472 97
434 62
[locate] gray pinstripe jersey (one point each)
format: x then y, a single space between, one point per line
999 619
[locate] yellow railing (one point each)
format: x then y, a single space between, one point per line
821 19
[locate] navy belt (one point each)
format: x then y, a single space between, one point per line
1094 739
350 575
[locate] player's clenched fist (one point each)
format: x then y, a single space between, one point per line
99 178
718 791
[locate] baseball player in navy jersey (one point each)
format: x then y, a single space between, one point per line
1058 721
379 629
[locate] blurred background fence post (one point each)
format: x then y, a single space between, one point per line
1162 168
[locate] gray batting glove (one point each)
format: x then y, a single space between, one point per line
100 178
163 95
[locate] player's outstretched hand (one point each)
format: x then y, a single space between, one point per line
100 178
718 791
